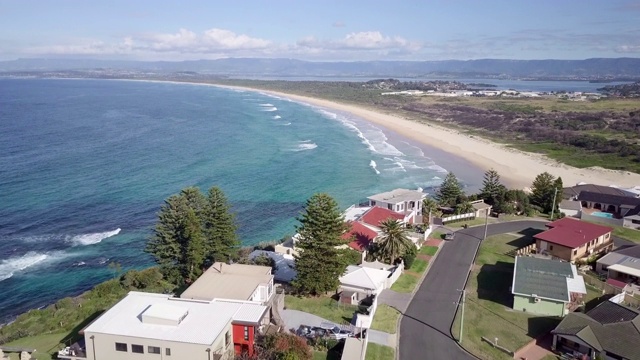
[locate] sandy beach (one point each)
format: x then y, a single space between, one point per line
516 168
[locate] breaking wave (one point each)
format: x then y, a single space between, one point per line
12 265
277 117
269 109
374 166
93 238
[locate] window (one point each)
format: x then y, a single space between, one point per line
121 347
575 252
167 352
138 349
153 350
227 338
246 333
550 247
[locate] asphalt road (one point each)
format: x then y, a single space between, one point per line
425 327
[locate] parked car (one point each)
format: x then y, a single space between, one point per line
338 334
450 236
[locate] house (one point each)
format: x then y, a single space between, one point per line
285 268
571 239
571 193
617 209
609 331
546 287
157 326
360 282
622 268
571 208
376 215
359 237
241 282
403 201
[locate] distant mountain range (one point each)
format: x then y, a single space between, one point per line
589 69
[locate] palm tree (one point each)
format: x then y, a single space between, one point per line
393 242
429 208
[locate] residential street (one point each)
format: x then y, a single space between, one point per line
425 327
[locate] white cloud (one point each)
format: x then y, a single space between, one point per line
365 40
628 49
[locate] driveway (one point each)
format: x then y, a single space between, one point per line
425 328
400 301
294 318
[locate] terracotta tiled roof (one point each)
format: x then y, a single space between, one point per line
362 236
378 214
572 233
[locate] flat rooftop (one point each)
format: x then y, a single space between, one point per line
398 195
228 281
194 322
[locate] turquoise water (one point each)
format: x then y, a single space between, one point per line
86 164
602 214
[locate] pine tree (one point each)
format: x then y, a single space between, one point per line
393 242
164 245
492 189
221 240
449 191
557 188
194 248
319 264
542 190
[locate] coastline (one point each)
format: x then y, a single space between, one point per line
516 168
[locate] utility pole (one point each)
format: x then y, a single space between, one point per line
486 222
553 206
464 294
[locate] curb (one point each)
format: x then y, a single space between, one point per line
413 293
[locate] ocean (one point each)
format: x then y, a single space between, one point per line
86 164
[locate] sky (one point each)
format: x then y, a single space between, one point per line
328 30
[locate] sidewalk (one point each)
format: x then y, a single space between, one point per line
294 318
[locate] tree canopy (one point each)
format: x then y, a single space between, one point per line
191 233
393 242
492 188
450 190
319 264
543 190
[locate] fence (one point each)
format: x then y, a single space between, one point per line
458 217
495 345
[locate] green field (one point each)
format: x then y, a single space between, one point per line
323 306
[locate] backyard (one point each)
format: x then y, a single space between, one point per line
45 345
386 319
488 311
324 306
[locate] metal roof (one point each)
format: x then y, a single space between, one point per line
235 281
629 256
542 278
572 233
364 277
204 322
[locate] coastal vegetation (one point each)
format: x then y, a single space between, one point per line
604 132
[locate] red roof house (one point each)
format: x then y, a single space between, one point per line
360 235
570 239
377 214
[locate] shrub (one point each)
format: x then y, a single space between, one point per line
409 258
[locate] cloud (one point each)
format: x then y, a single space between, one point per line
365 40
628 49
338 24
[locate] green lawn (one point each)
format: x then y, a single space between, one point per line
379 352
488 304
405 283
386 319
324 306
419 266
437 234
473 222
428 250
623 232
44 345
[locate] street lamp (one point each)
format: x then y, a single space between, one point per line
461 303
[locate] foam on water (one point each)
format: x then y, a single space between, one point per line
305 145
286 124
374 166
266 105
93 238
270 109
12 265
277 117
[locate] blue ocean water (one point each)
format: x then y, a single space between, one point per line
86 164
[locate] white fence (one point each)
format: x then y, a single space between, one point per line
459 217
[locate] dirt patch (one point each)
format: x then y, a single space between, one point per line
432 242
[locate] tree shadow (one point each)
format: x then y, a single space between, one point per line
494 282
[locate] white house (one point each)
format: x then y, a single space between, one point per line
402 201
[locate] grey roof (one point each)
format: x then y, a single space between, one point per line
570 205
635 213
573 191
609 326
543 278
398 195
629 256
618 200
480 205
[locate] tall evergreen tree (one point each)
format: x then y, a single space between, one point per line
492 188
319 264
221 241
429 207
393 242
449 191
557 187
542 191
192 230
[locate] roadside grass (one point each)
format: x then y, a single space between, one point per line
379 352
45 345
324 306
419 266
437 234
473 222
428 250
488 303
405 283
386 319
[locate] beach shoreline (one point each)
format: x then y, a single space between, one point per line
516 168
